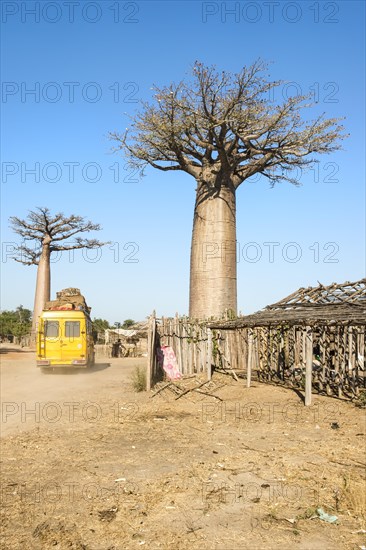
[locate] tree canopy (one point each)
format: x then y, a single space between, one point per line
223 122
41 226
15 323
100 325
127 323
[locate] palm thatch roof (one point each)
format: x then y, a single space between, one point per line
343 304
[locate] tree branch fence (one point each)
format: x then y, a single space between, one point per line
313 341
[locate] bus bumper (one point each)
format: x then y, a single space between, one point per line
76 363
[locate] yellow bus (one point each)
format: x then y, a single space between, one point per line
64 339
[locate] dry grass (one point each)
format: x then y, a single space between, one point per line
361 400
138 379
353 497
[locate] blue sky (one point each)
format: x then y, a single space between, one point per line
89 68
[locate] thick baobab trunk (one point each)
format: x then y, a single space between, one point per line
43 287
213 252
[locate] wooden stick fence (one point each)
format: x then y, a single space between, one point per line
191 342
325 358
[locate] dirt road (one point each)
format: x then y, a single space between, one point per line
88 464
31 398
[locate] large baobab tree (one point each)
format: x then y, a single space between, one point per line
221 129
51 233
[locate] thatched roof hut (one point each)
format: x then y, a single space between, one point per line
343 304
319 331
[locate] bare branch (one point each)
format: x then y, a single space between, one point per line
26 255
79 243
47 230
222 122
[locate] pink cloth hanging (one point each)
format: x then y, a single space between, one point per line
168 361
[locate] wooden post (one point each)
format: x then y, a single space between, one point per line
359 357
150 350
250 354
209 354
308 334
350 350
201 347
179 346
257 351
191 350
185 348
304 355
269 351
297 347
260 350
148 365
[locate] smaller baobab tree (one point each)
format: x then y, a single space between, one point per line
50 233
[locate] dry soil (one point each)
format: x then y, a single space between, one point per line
88 463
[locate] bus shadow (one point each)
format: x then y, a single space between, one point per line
90 370
97 367
15 350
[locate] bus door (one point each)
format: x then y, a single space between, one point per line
51 339
73 340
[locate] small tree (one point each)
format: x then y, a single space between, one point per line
99 327
127 323
221 129
51 233
15 323
24 315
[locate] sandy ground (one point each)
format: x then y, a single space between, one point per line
87 463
